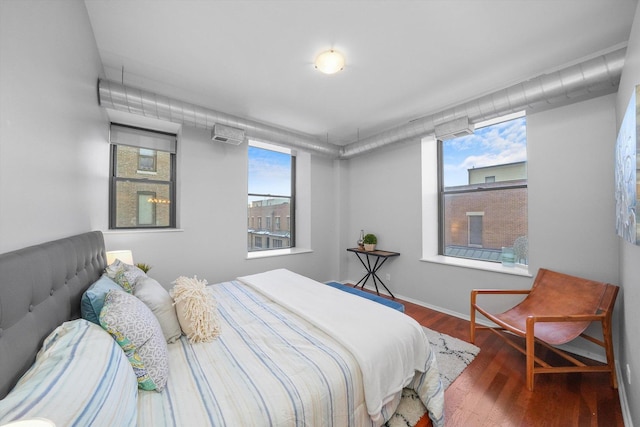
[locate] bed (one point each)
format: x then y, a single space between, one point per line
283 357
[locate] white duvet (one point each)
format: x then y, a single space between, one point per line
389 346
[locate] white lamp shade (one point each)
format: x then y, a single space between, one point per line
123 255
330 62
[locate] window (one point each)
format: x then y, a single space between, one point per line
147 160
271 195
475 229
482 191
146 209
142 186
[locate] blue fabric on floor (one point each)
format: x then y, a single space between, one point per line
373 297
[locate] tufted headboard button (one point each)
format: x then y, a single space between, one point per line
30 308
0 332
51 293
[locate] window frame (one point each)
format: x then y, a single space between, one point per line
292 200
114 179
433 205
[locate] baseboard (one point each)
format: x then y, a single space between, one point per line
566 347
622 393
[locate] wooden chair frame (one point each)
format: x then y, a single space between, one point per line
526 314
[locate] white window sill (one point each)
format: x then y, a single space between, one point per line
517 270
277 252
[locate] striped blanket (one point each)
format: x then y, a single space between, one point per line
269 367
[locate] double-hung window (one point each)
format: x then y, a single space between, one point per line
482 190
142 190
271 196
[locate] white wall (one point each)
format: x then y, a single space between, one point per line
54 162
212 216
52 131
571 209
629 300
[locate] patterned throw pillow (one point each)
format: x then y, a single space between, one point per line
123 274
137 331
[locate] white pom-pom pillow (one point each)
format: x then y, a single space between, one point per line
196 309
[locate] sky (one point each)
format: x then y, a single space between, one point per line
506 142
497 144
269 172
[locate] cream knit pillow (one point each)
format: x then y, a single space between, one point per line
196 309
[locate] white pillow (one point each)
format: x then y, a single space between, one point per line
196 309
157 298
80 377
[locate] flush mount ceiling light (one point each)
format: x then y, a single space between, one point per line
330 62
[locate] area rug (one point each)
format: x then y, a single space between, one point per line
453 356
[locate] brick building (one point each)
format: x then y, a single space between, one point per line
489 213
142 190
269 224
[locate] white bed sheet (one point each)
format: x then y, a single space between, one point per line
390 347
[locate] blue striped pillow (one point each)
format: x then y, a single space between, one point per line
80 377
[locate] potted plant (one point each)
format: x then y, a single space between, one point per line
144 267
370 241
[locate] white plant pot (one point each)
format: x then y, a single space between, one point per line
369 247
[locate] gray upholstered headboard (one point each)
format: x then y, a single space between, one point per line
40 288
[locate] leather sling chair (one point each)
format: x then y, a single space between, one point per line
557 309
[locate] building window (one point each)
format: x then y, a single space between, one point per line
146 208
147 160
272 195
474 222
482 192
138 200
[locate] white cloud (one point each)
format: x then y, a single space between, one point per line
494 145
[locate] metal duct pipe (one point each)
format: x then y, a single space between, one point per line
141 102
596 76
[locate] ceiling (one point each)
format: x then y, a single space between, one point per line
404 59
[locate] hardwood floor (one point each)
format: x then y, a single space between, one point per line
492 390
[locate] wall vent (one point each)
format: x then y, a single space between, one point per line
227 134
454 129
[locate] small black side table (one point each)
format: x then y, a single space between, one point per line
381 257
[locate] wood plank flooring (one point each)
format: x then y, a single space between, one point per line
492 390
